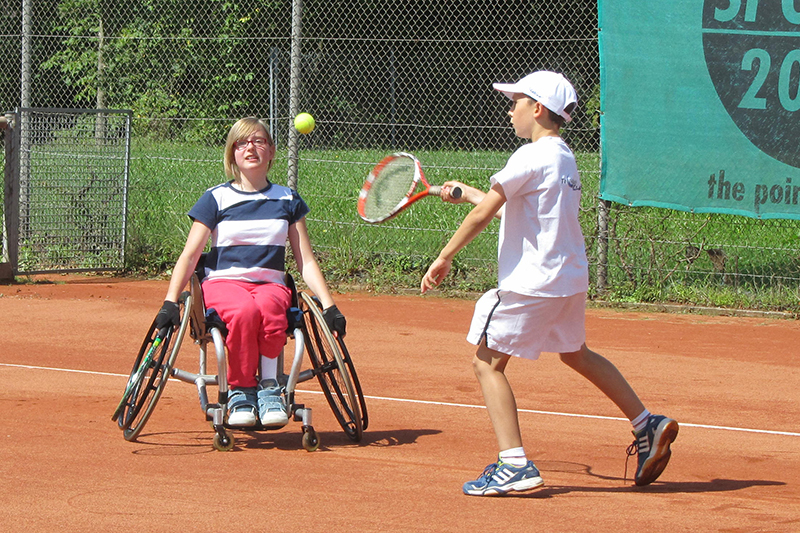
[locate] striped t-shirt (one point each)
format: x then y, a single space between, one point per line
248 231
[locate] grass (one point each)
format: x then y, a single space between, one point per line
654 255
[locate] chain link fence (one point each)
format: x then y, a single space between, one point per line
71 189
378 77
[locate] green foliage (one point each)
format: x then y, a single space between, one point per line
648 246
592 107
155 57
376 77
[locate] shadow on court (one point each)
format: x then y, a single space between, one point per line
669 487
331 439
196 442
626 484
172 443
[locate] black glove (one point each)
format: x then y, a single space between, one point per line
335 320
169 315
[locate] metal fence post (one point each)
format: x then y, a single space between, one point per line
22 129
10 261
603 210
294 92
274 62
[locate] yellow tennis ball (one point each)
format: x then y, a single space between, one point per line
304 123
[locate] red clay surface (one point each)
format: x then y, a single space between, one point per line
67 348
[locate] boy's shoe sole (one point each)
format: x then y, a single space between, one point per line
664 435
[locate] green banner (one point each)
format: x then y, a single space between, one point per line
700 103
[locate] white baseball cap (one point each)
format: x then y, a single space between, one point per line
551 89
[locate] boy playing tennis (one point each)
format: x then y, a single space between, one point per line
539 304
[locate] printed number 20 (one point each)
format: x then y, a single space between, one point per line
751 100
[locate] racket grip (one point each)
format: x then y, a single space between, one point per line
436 190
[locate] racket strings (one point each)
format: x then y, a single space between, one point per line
392 184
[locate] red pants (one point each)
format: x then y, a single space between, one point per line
255 315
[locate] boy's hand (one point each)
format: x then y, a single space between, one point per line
447 192
435 274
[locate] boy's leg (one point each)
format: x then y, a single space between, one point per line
605 376
652 442
489 366
501 477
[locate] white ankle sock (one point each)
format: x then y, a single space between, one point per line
640 422
514 456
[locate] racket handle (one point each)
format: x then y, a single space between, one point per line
436 190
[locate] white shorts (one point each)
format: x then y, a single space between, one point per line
525 326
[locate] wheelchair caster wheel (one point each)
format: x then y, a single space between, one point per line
310 440
223 442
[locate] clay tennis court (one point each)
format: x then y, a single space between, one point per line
67 348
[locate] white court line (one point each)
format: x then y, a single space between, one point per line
448 404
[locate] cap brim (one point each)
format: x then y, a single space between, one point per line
508 89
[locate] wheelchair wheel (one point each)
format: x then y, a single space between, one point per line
356 383
310 440
331 370
223 442
150 373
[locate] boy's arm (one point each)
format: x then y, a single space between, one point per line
474 223
468 194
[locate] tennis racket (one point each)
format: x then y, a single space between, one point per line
390 188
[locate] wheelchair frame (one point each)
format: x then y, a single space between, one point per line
330 362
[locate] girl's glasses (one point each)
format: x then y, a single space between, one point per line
258 143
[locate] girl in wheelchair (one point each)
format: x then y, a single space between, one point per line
249 220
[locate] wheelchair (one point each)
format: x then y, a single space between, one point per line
330 360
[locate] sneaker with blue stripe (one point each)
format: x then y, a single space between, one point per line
652 445
500 478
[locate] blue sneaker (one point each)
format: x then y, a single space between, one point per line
652 446
500 478
271 406
242 407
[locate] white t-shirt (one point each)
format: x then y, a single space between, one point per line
541 250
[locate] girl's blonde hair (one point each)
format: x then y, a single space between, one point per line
241 130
